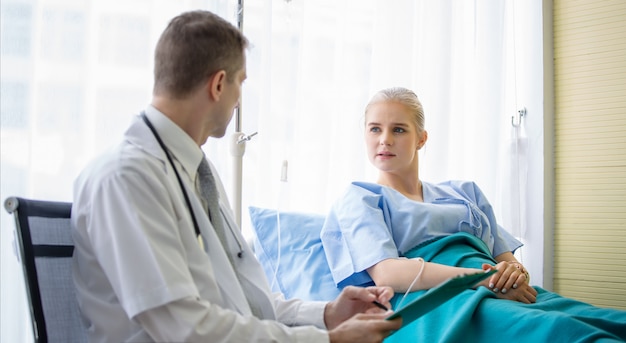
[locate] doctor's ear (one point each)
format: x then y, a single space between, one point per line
216 84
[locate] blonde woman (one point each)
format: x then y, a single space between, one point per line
411 235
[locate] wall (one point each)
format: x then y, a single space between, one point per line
590 150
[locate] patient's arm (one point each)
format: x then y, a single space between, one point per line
399 273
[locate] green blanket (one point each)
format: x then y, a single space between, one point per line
478 316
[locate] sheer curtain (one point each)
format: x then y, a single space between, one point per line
75 72
314 65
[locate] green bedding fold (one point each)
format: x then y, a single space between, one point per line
478 316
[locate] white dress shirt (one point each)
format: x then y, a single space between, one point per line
139 271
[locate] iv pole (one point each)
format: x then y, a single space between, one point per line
238 142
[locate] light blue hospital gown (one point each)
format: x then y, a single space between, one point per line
371 223
455 225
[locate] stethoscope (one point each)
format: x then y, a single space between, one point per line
182 188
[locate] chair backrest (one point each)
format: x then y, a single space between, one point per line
45 248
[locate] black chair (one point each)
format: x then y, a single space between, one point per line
45 248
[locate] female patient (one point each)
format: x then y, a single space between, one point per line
412 235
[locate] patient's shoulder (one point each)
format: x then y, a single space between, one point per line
365 187
459 184
455 188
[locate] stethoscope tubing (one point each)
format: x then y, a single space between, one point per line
182 187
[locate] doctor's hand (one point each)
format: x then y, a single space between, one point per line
353 317
353 300
365 327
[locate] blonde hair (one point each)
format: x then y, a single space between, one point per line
405 97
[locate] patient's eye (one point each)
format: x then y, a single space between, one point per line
374 129
399 130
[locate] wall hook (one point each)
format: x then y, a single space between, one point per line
516 120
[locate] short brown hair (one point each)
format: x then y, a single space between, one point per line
194 46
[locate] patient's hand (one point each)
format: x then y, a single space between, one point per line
508 277
510 283
524 293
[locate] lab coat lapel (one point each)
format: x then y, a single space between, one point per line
232 293
249 271
225 275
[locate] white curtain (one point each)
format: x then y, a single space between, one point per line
314 65
474 64
75 72
73 75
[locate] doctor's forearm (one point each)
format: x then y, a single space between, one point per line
295 312
183 321
191 320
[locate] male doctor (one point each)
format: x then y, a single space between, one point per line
159 260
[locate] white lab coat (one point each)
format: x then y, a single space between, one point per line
136 249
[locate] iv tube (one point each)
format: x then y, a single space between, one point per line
281 196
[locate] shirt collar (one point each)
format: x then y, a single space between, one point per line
178 142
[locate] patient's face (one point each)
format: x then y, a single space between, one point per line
391 137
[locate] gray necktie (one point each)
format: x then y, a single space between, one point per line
209 192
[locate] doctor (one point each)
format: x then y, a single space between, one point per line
158 260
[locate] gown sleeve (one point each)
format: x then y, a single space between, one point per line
356 236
